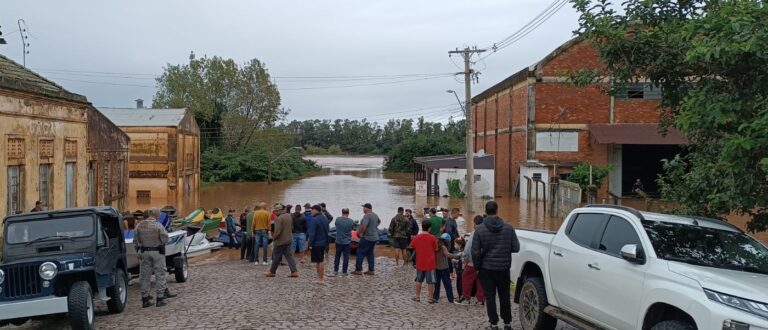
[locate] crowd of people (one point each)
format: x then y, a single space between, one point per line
476 264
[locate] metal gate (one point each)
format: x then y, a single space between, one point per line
566 196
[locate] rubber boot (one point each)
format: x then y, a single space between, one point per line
146 302
168 294
161 302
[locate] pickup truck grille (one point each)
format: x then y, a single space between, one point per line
21 281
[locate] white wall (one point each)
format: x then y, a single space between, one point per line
614 178
529 171
482 187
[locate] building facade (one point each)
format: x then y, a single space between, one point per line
539 126
49 143
107 170
164 164
431 174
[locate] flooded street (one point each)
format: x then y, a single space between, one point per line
350 181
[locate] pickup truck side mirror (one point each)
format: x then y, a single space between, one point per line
632 253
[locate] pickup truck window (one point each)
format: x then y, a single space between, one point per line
586 228
618 233
707 247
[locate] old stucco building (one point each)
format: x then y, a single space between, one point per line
55 147
164 155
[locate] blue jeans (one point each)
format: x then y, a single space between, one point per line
444 276
341 249
365 250
261 237
298 243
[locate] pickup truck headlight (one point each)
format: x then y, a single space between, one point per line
48 270
749 306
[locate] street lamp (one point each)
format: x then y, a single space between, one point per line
470 178
269 167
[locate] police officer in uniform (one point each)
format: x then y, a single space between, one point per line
150 239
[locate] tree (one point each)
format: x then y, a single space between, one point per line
709 59
581 173
230 102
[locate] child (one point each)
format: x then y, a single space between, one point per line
443 273
425 246
458 267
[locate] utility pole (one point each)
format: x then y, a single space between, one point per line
467 53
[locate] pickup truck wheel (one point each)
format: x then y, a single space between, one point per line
118 294
80 306
673 325
180 269
533 300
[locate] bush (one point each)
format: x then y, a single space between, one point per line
580 175
251 163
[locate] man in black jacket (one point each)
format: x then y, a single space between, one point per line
492 248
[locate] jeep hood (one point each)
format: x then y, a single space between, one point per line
746 285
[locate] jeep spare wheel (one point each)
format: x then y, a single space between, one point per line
180 269
80 306
118 293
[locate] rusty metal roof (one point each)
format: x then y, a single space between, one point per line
133 117
635 134
485 162
16 77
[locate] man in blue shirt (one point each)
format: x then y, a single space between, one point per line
318 240
344 227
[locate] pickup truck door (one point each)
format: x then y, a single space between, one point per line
613 287
569 255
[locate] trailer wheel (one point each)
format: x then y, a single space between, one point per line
80 306
180 269
533 300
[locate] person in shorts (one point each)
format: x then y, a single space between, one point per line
318 241
425 245
399 229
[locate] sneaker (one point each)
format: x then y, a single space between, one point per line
507 326
344 274
357 272
461 302
492 327
370 272
268 274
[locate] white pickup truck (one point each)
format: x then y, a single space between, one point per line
616 268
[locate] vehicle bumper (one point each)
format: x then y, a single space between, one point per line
33 307
727 318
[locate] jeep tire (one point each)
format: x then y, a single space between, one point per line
180 269
118 294
80 306
533 300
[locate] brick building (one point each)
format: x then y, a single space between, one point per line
540 126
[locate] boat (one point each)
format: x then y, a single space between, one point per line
198 245
195 217
174 247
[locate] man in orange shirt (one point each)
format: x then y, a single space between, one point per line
261 219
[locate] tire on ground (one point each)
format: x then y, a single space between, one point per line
80 306
534 286
180 269
673 325
118 295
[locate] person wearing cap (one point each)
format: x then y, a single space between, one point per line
369 231
149 240
318 241
261 233
442 270
344 226
282 237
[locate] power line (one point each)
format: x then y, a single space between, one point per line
361 85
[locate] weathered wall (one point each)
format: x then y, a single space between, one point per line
108 146
33 118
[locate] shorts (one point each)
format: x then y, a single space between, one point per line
400 243
298 243
317 254
428 275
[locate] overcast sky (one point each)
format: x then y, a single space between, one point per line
130 41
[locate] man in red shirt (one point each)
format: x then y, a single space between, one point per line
425 245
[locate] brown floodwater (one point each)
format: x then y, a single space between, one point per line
350 181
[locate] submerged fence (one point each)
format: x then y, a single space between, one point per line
566 196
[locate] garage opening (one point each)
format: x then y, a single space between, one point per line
644 162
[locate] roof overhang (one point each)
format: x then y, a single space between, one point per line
485 162
647 134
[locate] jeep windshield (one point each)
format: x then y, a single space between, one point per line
707 247
43 230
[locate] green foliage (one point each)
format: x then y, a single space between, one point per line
580 175
334 149
221 164
230 102
454 188
428 140
709 59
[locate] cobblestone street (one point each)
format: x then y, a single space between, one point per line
226 293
